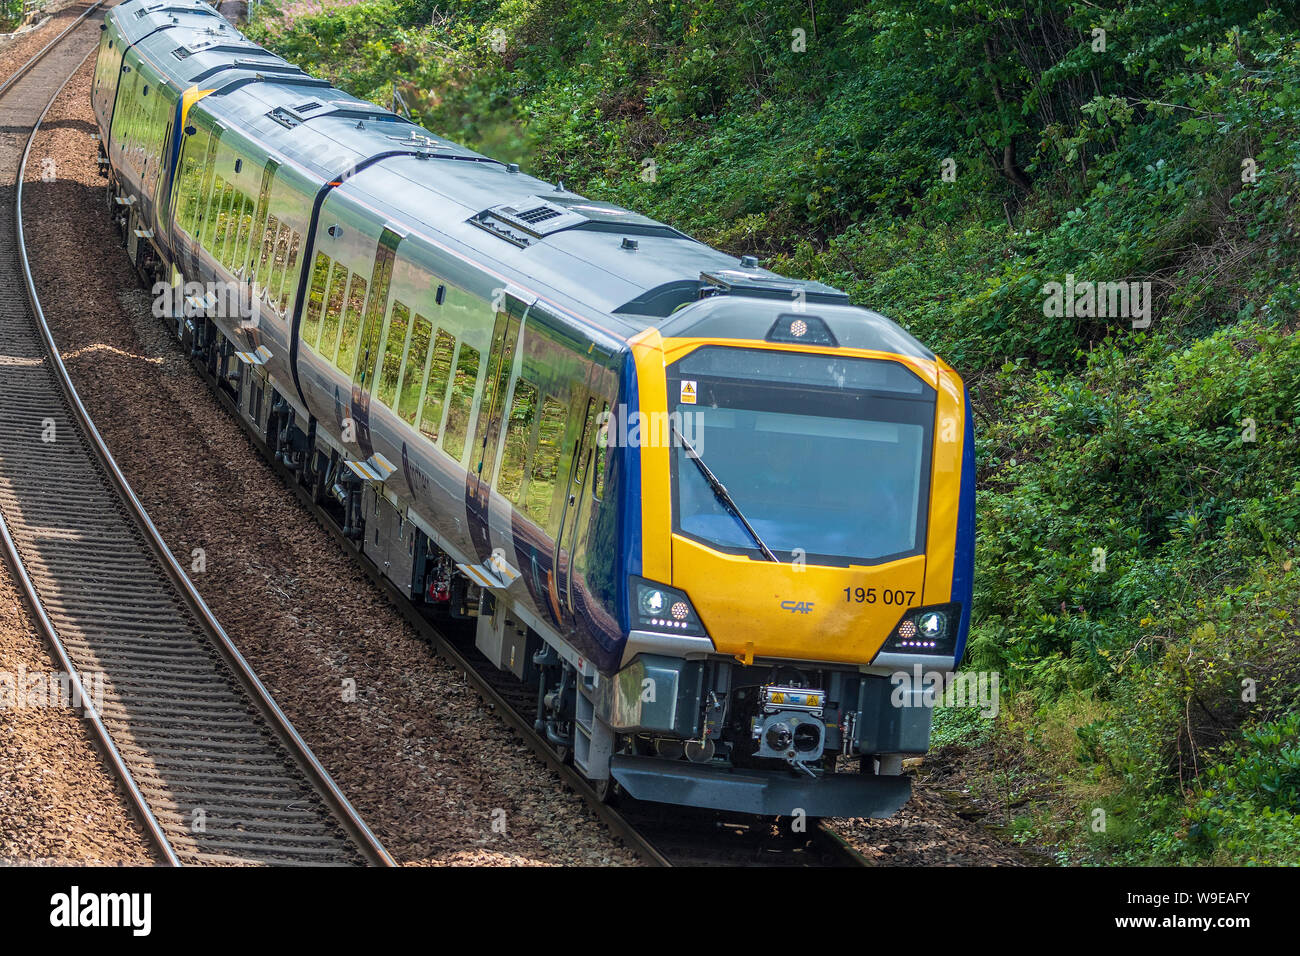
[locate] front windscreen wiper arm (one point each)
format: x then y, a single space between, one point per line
720 492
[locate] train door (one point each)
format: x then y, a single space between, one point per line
166 171
152 115
576 503
189 253
576 565
372 326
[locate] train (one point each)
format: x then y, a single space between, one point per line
718 519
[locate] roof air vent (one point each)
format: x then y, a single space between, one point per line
284 117
537 214
524 222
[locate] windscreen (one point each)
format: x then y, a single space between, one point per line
826 457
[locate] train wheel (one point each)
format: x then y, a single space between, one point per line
607 791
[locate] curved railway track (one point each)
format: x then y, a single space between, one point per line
211 766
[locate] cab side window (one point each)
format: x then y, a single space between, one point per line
241 219
225 200
202 214
544 463
600 448
530 464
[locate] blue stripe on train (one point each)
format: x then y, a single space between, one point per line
629 492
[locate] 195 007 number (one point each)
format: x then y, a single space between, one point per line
872 596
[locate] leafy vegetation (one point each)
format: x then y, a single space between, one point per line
943 161
12 14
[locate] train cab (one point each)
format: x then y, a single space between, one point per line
805 533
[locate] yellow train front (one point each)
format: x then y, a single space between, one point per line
800 541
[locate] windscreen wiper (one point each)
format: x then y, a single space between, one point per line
720 492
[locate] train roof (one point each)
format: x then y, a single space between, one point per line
633 270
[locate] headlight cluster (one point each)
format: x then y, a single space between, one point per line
801 329
926 630
657 607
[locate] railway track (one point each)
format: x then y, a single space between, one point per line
209 763
677 836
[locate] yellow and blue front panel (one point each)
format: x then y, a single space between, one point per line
854 467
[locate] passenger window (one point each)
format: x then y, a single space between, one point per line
234 210
436 392
121 129
311 316
226 226
519 435
245 220
399 321
329 336
290 274
543 469
280 255
259 223
351 326
463 386
214 213
156 135
268 252
408 401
